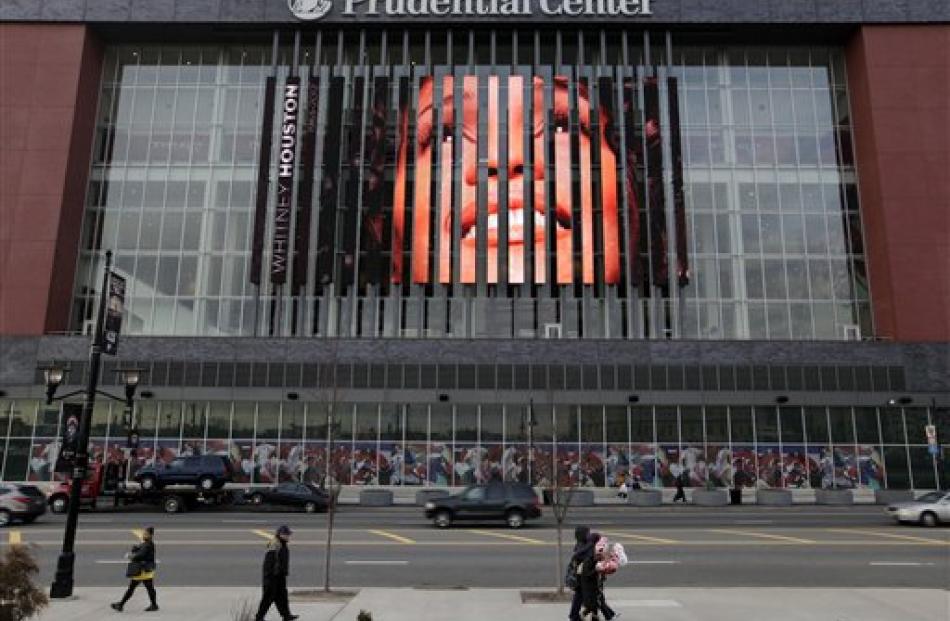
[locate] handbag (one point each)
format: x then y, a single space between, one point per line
570 578
133 569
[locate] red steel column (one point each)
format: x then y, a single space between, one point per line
899 79
49 83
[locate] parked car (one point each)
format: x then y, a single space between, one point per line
512 502
929 510
206 472
291 494
20 502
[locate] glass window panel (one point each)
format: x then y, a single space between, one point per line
922 468
766 424
842 428
896 467
667 425
367 422
641 424
717 424
865 421
816 426
691 424
791 422
916 420
615 418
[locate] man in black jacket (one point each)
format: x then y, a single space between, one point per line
583 548
276 568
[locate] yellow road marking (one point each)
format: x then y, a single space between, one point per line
876 533
263 533
139 533
509 540
393 536
661 540
517 538
15 537
749 533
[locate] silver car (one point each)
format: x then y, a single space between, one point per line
929 510
20 502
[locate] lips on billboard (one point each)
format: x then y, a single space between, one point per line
593 154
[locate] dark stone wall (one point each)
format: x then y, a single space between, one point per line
926 365
664 12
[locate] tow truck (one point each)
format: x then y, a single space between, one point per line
109 481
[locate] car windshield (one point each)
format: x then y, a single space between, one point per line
931 497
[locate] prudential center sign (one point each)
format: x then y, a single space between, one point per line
312 10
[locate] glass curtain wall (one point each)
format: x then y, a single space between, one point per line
507 184
414 444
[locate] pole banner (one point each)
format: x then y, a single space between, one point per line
115 304
72 414
286 168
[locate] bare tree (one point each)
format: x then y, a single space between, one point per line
331 482
560 505
561 496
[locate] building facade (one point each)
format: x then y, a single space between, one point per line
476 239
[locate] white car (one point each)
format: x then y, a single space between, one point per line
929 510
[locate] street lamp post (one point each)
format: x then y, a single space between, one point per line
63 582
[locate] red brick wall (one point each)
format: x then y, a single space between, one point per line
49 78
899 77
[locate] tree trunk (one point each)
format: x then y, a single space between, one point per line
331 512
560 560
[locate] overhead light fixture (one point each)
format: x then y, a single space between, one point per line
292 396
781 399
899 401
633 399
443 397
53 375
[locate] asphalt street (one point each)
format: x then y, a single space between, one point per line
800 546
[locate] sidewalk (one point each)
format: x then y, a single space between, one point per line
680 604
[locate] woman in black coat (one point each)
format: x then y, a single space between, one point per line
141 569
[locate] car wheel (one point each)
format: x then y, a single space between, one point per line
929 519
148 483
206 484
515 519
59 504
310 507
5 518
443 519
172 504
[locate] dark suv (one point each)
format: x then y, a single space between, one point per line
206 472
511 502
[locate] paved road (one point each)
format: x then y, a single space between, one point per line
669 546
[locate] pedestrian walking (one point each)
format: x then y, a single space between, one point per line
583 548
680 484
622 492
275 571
141 570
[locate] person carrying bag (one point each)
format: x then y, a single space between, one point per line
141 569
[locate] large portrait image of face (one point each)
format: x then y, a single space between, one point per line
468 187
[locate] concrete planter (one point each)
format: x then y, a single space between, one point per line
888 496
645 498
710 497
773 497
581 498
376 498
834 497
425 495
